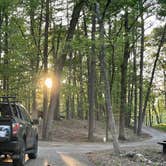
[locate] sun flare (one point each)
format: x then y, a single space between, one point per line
48 83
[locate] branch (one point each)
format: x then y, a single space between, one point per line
105 9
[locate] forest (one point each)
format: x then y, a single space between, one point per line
94 60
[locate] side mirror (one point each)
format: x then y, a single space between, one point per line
35 121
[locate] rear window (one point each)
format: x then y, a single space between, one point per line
5 111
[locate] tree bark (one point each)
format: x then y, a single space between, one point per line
111 120
69 96
141 70
35 61
75 16
160 112
55 51
124 80
135 90
6 59
81 91
150 116
45 63
74 19
91 80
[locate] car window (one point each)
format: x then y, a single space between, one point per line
19 112
5 111
15 111
25 114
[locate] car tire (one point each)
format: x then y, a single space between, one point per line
33 155
21 159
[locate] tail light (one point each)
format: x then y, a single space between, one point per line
15 128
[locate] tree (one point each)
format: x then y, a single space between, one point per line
75 16
45 63
141 68
124 78
111 121
161 42
91 78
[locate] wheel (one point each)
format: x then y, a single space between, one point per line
21 159
33 155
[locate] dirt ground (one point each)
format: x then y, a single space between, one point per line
77 131
152 156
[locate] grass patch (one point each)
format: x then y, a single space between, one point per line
161 126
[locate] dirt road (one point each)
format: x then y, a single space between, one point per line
67 154
73 154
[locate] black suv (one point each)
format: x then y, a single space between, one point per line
18 133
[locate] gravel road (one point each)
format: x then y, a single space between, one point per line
68 154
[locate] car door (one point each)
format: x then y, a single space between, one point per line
28 126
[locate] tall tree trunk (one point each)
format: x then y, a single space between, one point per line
106 82
130 100
35 61
159 112
57 109
6 60
74 19
73 110
68 116
45 63
112 75
141 69
34 104
124 79
69 96
135 90
38 47
81 91
55 51
75 16
91 80
150 116
130 105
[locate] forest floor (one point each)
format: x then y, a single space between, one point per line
135 156
71 137
77 131
141 153
69 147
